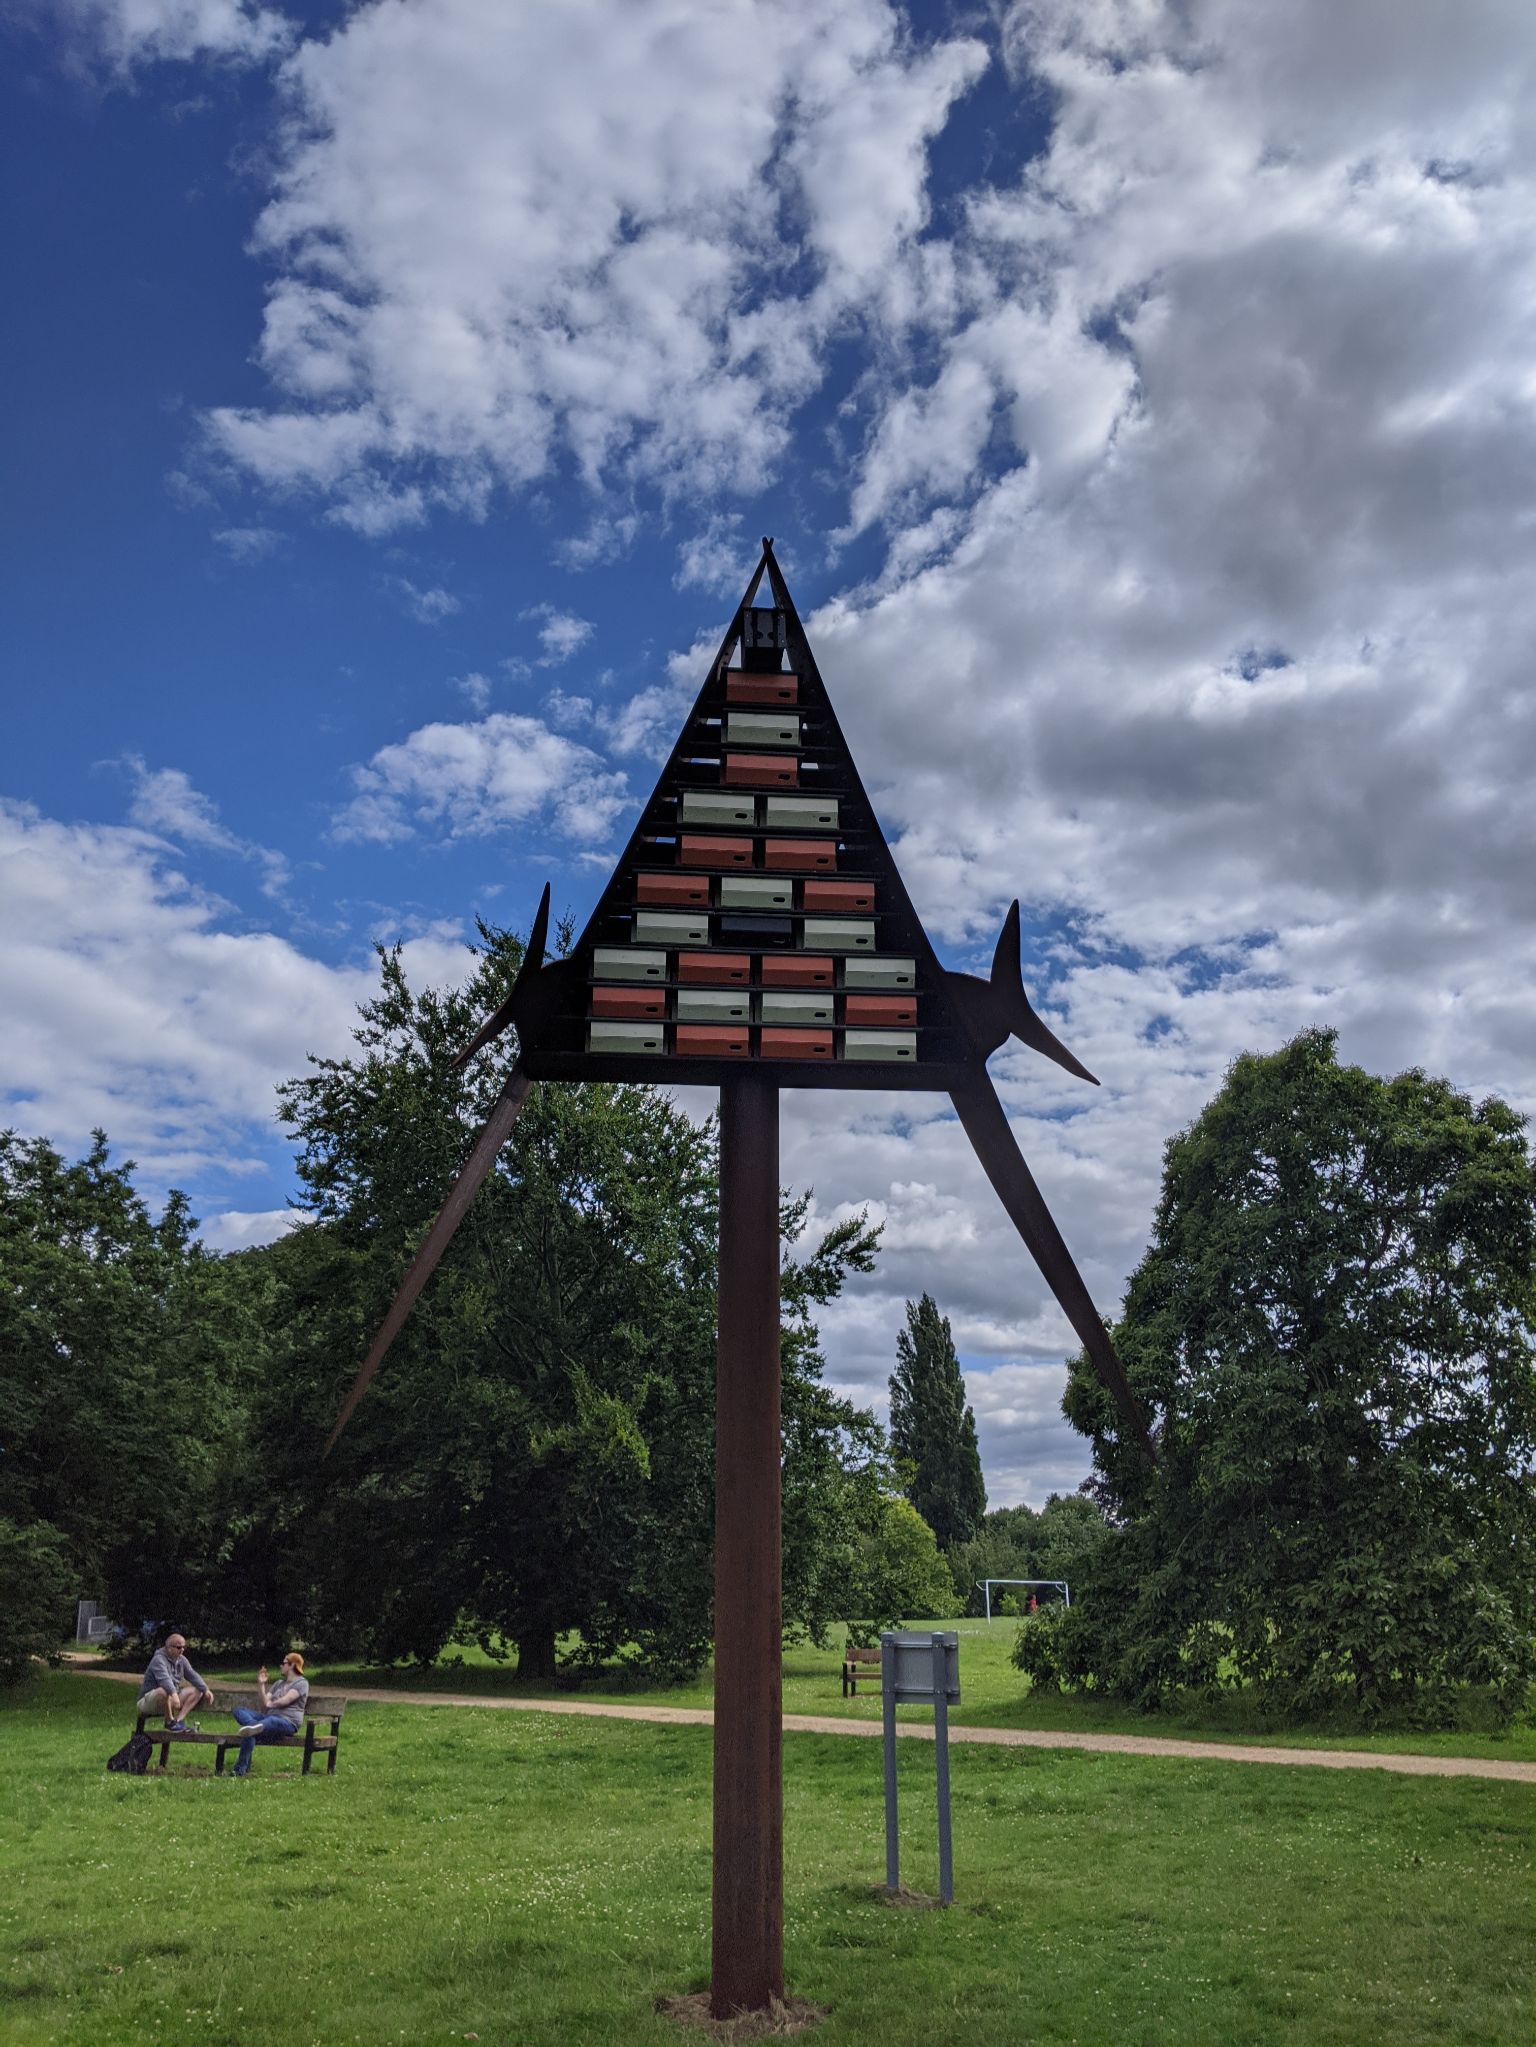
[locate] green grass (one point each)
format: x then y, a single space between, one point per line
994 1694
538 1879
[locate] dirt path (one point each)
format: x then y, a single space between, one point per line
985 1737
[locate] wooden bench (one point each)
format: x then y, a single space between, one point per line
856 1661
319 1707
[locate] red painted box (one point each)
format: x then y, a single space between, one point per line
695 850
795 970
839 895
715 969
671 888
779 1042
761 771
761 689
883 1011
800 856
711 1041
635 1002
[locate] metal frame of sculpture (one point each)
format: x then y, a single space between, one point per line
754 935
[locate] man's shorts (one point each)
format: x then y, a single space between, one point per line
152 1701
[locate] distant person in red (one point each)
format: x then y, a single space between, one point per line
171 1686
1034 1604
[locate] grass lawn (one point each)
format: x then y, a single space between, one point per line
994 1694
530 1879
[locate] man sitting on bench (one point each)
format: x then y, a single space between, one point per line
171 1686
282 1709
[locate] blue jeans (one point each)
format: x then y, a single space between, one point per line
258 1727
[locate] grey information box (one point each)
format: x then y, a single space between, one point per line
919 1670
907 1668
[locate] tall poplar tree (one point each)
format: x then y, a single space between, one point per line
933 1432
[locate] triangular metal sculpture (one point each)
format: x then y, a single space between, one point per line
756 935
756 921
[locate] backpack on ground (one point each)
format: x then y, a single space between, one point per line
133 1757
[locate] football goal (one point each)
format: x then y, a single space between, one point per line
1053 1584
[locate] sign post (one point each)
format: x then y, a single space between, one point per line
747 1954
923 1670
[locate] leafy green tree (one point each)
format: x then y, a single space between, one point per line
121 1402
37 1591
1332 1329
536 1457
897 1571
933 1432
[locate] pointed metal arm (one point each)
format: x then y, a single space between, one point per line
498 1128
985 1123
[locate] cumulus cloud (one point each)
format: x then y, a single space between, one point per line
247 545
427 607
165 800
242 1229
510 238
127 33
132 1006
461 781
561 633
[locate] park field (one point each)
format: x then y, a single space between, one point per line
523 1879
994 1694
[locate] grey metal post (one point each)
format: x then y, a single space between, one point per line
941 1763
888 1713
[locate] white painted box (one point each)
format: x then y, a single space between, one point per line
627 963
800 813
837 934
603 1036
777 729
713 1005
881 970
756 892
671 927
880 1045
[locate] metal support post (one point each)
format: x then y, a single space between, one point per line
888 1717
941 1766
747 1957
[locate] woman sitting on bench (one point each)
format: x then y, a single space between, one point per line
282 1709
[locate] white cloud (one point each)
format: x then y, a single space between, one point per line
507 238
427 607
561 634
714 559
165 800
242 1229
124 33
247 545
460 781
131 1006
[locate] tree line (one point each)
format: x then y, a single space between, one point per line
534 1464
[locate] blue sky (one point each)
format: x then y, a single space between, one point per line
1141 399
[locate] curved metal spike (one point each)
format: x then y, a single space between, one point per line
500 1018
985 1123
1008 987
497 1129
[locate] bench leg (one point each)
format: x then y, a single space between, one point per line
330 1759
218 1760
165 1755
309 1746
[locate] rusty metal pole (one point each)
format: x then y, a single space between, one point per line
747 1961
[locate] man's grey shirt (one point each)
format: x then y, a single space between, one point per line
168 1675
287 1699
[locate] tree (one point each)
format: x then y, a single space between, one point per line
121 1399
933 1432
1332 1329
897 1571
537 1456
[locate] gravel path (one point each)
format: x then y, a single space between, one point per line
986 1737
